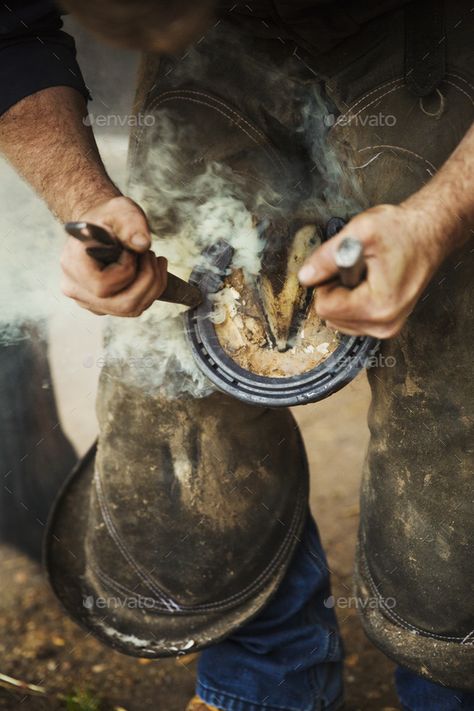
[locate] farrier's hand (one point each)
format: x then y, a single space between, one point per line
127 287
403 249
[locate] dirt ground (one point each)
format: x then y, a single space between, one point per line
39 645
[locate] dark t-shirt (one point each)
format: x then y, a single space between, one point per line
36 54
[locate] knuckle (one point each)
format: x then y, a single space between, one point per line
128 306
130 309
67 290
100 290
67 260
127 205
364 224
387 313
386 331
322 312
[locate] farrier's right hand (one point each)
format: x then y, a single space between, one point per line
127 287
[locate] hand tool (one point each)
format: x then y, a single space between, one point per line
350 261
106 249
349 256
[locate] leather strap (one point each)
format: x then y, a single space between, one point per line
425 46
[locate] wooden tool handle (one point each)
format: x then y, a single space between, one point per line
179 291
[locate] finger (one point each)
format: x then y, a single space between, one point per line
320 265
347 329
82 269
151 286
132 301
129 301
336 303
128 222
87 307
149 283
361 308
375 330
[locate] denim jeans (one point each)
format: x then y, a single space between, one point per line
289 658
418 694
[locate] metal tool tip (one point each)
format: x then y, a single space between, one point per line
349 252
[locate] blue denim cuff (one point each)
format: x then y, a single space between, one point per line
228 702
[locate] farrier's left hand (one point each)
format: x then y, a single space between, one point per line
402 248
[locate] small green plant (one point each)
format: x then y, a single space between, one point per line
82 701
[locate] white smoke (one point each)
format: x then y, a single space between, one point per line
29 257
152 351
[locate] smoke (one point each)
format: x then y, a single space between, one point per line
187 215
29 258
335 190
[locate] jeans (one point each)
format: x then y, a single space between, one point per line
416 693
289 658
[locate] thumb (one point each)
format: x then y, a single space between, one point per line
130 225
321 264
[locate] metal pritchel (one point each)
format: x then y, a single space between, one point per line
350 262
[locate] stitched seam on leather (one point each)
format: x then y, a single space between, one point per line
181 94
218 101
369 93
228 602
233 599
466 638
463 91
226 115
374 101
461 78
403 150
146 579
399 620
349 112
124 590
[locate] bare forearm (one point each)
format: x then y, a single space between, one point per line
45 138
448 199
